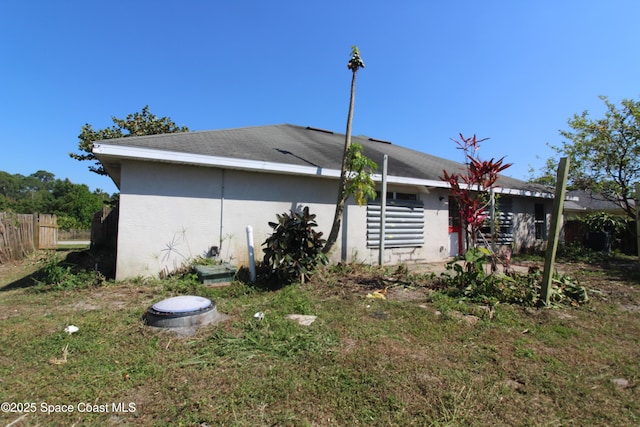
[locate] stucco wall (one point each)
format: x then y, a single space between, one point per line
170 214
524 225
166 217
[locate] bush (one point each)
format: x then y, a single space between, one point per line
295 248
57 275
472 283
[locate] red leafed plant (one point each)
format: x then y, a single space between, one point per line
470 187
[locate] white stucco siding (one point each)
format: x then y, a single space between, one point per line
437 241
255 198
524 225
168 215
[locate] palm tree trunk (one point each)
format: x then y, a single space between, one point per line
342 190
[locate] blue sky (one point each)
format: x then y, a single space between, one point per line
512 71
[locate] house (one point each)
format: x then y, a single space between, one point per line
580 203
183 194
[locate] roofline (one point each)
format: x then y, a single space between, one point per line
166 156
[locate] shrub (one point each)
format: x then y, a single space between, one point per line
57 275
472 283
295 248
602 222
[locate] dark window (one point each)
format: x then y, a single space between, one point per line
454 213
393 195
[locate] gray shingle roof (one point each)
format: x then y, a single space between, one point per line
297 145
588 201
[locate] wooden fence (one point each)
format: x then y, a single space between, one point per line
23 234
104 229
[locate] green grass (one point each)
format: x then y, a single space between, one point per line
393 362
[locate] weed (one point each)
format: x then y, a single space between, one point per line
56 275
471 282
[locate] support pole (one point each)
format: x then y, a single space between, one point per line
554 233
383 209
493 219
252 260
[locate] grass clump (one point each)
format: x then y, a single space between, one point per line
55 274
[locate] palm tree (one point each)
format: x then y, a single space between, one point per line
355 63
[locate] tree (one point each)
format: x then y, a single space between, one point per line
136 124
77 202
355 173
74 204
605 153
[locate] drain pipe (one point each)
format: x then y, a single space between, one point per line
252 259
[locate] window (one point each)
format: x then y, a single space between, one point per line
455 222
393 195
540 222
404 221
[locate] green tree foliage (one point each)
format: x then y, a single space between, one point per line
136 124
74 204
355 171
605 152
359 183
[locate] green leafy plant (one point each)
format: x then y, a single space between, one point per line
57 275
470 282
603 222
359 182
294 248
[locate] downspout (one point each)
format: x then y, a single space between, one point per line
221 210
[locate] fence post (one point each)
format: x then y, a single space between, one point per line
36 230
554 234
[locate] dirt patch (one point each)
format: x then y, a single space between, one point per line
401 293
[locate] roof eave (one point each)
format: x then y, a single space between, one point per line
119 152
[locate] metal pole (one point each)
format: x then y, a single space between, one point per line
493 219
383 209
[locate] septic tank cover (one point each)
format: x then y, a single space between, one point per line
182 304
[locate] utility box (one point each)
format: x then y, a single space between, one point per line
216 274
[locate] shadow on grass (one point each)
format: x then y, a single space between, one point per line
75 262
622 268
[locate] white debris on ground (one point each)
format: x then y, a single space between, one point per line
302 319
71 329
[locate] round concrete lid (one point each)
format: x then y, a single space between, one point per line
182 304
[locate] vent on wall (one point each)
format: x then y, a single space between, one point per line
404 224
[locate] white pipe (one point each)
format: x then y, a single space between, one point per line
252 260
